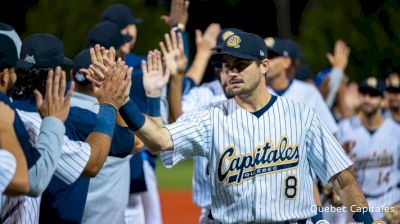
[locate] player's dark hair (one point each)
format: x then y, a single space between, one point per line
28 81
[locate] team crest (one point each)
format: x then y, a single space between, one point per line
372 82
227 34
269 41
30 59
395 81
233 41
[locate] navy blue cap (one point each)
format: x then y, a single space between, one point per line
246 46
44 51
294 49
107 34
393 84
277 46
9 54
121 15
224 34
372 86
81 60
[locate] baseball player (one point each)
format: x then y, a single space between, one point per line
260 147
43 52
393 96
375 148
13 168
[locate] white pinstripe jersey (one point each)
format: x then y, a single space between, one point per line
73 159
376 160
259 167
309 95
8 165
200 97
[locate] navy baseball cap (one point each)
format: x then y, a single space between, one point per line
107 34
81 60
9 54
121 15
393 84
44 51
10 32
372 86
293 49
224 34
276 46
243 45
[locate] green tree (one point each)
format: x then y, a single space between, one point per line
372 36
71 21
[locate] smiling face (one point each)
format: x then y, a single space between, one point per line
242 76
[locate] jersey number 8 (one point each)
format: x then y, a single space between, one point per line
291 187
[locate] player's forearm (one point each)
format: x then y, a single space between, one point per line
175 98
49 145
199 66
20 182
100 140
351 195
152 134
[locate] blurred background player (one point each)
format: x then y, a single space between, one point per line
374 146
393 97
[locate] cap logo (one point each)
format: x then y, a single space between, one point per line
227 34
79 77
395 81
269 41
30 59
372 82
233 41
262 53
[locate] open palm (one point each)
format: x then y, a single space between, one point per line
154 79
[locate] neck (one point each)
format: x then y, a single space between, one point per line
280 82
255 100
372 122
84 89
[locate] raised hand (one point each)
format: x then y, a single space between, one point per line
115 86
207 41
55 102
7 116
178 13
154 79
173 53
340 57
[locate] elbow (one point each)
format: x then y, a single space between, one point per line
18 187
92 171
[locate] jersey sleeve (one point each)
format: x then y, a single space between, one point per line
324 153
191 136
8 167
73 160
322 110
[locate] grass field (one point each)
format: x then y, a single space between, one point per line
176 178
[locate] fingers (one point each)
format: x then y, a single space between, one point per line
165 18
103 69
38 98
144 67
330 58
56 82
168 42
199 36
155 61
94 81
163 49
67 99
97 50
158 62
63 81
99 75
49 82
93 57
150 61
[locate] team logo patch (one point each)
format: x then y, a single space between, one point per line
30 59
266 159
269 41
227 34
323 221
395 81
79 77
379 222
233 41
372 82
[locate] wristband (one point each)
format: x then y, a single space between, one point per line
153 106
105 120
363 217
132 116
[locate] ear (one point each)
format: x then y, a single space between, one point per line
287 62
4 77
264 66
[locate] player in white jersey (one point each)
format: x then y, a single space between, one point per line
393 97
375 149
260 147
13 166
77 158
